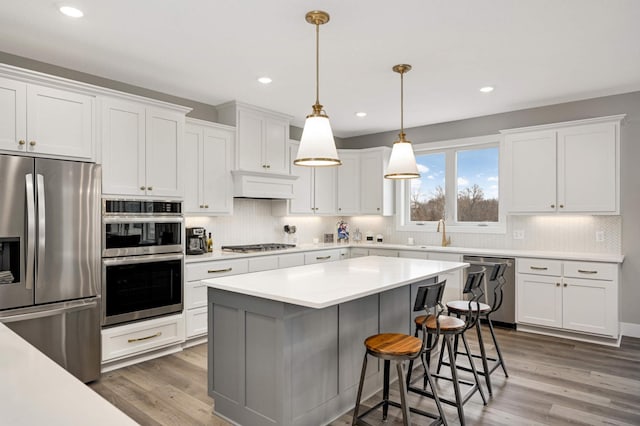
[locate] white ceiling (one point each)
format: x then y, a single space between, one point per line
535 52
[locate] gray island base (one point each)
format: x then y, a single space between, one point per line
274 362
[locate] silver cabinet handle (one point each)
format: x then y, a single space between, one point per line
41 228
138 339
31 230
323 257
538 268
32 143
583 271
217 271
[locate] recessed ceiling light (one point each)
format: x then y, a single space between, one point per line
486 89
71 11
265 80
361 114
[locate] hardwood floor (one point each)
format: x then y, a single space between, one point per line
551 382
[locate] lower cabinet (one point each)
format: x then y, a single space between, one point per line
568 295
140 337
321 256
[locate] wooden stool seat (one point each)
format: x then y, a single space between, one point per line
447 324
462 306
393 344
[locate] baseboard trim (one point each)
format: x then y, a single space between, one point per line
601 340
630 329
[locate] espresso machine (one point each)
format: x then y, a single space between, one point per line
196 241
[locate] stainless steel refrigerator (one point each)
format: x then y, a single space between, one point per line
50 258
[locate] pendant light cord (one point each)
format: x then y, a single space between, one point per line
317 63
402 104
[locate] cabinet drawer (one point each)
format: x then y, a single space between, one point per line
383 252
591 270
411 254
195 294
141 336
196 321
291 259
218 268
359 252
263 263
539 267
321 256
447 257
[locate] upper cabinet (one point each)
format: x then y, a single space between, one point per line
376 192
141 149
261 137
348 188
315 188
208 154
39 120
567 167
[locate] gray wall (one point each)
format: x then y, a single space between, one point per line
628 103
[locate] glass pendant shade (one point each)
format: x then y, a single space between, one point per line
317 146
402 163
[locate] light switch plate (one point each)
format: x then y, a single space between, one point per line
518 234
599 236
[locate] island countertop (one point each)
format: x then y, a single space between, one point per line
327 284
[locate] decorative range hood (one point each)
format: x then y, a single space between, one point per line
250 184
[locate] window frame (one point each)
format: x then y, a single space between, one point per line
450 148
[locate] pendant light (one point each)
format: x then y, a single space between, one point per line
317 146
402 164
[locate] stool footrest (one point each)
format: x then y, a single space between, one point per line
437 420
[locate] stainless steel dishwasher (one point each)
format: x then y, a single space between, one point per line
506 315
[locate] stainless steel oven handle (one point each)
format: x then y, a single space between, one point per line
41 227
476 263
142 219
31 231
131 260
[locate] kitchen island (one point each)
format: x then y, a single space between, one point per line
286 345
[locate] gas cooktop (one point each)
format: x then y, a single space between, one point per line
249 248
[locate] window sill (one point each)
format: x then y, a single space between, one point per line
454 229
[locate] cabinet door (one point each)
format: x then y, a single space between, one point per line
275 146
532 177
217 186
325 190
59 122
13 115
590 306
250 131
587 169
193 159
123 153
539 300
302 187
163 149
348 187
371 183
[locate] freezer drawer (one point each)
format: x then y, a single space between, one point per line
68 333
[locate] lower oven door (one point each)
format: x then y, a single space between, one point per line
139 287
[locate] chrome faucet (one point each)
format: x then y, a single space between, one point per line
445 241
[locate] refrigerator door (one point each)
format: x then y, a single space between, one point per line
68 218
67 332
17 231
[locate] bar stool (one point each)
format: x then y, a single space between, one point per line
400 348
453 328
462 308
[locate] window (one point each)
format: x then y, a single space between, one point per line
460 182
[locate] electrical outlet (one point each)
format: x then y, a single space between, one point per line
599 236
518 234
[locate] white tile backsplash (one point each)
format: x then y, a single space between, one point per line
253 222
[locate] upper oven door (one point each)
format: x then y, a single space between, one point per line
126 236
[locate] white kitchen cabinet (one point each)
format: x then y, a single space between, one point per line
262 137
195 292
376 193
348 183
315 188
322 256
45 121
453 288
569 295
567 167
358 252
291 259
208 154
383 252
263 263
141 149
413 254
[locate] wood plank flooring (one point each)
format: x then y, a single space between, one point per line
551 382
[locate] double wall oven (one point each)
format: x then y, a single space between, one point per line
142 259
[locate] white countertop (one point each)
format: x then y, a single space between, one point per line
36 391
542 254
326 284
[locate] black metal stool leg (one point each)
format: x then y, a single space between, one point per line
483 356
456 384
495 342
442 347
354 421
435 396
473 369
385 390
406 416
